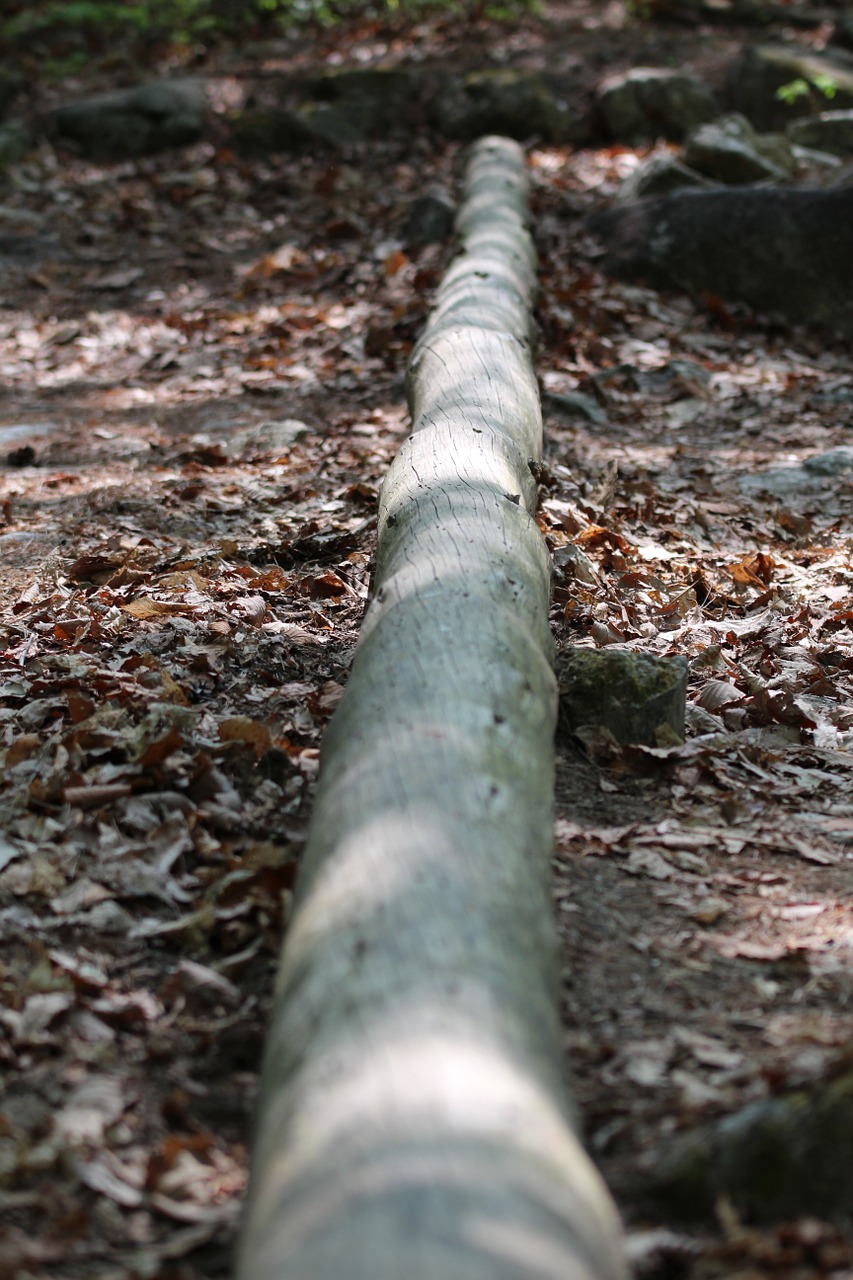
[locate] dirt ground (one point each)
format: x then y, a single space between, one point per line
202 363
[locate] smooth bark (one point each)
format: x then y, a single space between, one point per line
414 1122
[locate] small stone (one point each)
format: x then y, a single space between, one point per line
782 481
571 404
430 218
834 462
730 151
278 436
659 174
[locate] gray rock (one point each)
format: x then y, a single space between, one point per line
842 33
22 250
267 438
829 166
784 481
430 218
381 92
779 481
659 174
339 111
830 131
133 122
14 143
834 462
260 131
338 125
651 102
730 151
347 107
785 252
570 404
760 71
514 103
674 376
636 697
835 393
11 84
776 1159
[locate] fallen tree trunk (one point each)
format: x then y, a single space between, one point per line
413 1119
788 254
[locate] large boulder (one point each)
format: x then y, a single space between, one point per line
514 103
773 84
730 151
133 122
830 131
652 102
787 253
338 110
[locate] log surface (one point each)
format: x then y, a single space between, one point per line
414 1120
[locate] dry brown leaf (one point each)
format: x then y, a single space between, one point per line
173 691
254 733
718 693
22 748
144 608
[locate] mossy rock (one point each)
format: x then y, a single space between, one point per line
133 122
637 697
337 110
761 71
653 102
261 131
384 90
731 152
305 127
514 103
776 1159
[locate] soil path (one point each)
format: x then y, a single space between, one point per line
202 363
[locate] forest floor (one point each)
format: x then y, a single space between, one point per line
202 387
